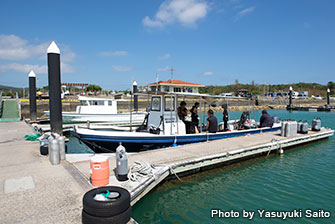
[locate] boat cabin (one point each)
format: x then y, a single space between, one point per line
89 105
163 116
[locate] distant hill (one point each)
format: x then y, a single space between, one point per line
6 88
261 89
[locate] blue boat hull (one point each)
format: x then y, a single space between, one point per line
101 144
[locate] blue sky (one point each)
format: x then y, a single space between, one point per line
110 43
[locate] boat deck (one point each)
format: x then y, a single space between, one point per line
181 160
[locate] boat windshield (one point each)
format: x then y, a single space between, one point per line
169 103
83 103
156 103
97 102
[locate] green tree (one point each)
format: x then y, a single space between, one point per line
94 88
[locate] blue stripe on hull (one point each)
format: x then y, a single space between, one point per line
169 140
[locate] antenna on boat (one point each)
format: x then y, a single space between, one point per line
172 69
156 82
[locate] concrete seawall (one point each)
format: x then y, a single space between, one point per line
124 106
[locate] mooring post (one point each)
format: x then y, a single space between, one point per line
32 95
135 90
55 103
328 96
290 95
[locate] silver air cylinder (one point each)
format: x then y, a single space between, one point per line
304 127
121 163
61 142
282 130
316 124
54 151
299 126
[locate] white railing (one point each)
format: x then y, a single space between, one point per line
18 104
1 104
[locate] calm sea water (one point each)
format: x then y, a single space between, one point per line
302 178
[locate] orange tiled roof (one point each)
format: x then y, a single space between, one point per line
175 82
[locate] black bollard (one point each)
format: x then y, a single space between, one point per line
328 96
135 90
290 95
55 103
32 95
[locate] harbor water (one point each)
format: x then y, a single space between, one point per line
300 180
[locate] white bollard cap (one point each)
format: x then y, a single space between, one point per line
32 74
53 48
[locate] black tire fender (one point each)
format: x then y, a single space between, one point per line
121 218
106 208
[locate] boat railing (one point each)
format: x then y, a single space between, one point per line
0 104
18 104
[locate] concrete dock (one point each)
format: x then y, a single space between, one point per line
31 189
182 160
34 191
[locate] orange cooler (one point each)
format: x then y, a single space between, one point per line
99 170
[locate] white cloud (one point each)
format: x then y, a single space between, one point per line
38 69
244 12
66 68
15 48
119 68
24 68
207 73
114 53
166 68
67 54
163 57
186 12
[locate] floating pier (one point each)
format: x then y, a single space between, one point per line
312 109
188 159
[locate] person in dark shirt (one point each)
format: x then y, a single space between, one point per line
212 122
225 117
266 120
195 118
182 110
182 113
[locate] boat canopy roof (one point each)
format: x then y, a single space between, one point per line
86 98
190 95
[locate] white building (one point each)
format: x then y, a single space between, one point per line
173 86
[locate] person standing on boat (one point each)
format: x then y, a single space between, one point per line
182 110
182 114
212 122
195 118
225 117
266 120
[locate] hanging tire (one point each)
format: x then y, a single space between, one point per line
106 208
121 218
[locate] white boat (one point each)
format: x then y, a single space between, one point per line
100 110
162 127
